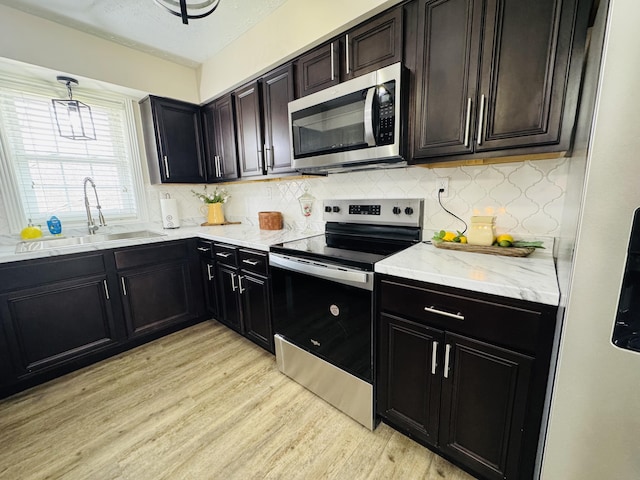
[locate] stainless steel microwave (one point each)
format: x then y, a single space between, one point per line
356 124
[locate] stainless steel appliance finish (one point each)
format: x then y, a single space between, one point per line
353 125
346 392
323 298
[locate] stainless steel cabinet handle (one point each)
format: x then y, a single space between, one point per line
166 166
251 262
223 254
333 73
124 286
217 162
209 271
467 123
434 358
220 166
240 284
233 282
347 53
106 289
447 353
480 120
261 165
202 249
432 309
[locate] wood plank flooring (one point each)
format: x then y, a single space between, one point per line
203 403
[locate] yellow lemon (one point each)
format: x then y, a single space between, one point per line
449 236
504 237
463 239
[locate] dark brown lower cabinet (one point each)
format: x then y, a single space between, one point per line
156 286
229 306
256 310
476 402
55 323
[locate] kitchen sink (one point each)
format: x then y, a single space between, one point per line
48 243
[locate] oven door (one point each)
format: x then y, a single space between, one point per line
330 318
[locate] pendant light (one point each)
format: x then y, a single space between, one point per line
189 9
73 118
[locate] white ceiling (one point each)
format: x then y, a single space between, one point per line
145 26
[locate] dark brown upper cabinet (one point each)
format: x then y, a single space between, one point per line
497 77
363 49
173 141
220 139
262 123
277 92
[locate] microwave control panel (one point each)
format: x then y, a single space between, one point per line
386 114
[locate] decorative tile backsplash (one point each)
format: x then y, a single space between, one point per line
526 197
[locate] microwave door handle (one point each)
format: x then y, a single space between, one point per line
369 137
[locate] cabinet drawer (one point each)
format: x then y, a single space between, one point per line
31 273
254 261
205 248
227 254
505 325
150 254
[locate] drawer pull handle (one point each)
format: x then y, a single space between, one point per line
434 356
447 353
202 249
253 263
432 309
223 254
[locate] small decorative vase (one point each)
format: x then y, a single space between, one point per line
214 213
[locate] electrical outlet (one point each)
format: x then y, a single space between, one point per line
442 186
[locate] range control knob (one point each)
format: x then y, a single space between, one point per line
327 209
336 209
397 210
408 211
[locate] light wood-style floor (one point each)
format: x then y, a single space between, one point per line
203 403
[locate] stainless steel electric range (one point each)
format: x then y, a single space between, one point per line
323 298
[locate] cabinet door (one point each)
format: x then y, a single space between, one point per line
179 142
53 324
373 45
156 297
277 89
410 376
249 130
218 124
484 401
446 76
256 310
318 69
209 283
525 60
228 297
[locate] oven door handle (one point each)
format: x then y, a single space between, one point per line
350 277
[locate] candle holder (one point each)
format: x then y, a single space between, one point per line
306 205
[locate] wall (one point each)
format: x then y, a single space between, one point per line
69 51
289 30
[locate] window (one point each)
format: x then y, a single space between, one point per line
43 173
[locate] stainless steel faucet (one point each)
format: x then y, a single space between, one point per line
90 223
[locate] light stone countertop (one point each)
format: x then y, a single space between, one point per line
243 235
531 278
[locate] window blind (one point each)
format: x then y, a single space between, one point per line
48 170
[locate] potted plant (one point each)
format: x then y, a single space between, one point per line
212 207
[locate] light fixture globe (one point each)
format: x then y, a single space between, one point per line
189 9
73 118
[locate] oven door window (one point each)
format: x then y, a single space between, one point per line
330 320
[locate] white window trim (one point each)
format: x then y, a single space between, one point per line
8 184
